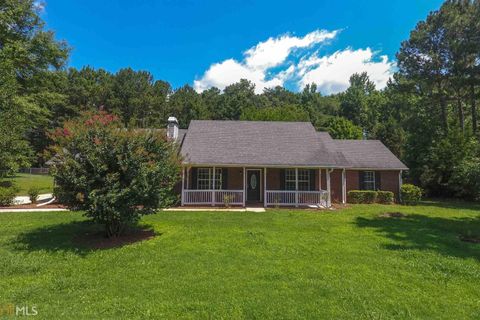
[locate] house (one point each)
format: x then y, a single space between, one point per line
277 163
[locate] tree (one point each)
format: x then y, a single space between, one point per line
360 102
27 55
285 113
236 97
341 128
115 174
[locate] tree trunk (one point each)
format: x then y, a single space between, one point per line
474 109
443 104
461 113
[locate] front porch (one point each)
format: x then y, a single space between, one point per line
253 186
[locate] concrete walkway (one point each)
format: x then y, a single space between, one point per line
33 210
218 209
26 199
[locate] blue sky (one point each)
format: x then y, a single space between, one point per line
205 43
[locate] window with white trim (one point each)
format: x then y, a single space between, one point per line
303 179
204 178
369 180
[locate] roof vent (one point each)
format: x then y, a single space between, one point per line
172 128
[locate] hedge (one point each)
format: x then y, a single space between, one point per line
362 196
7 195
411 194
385 197
370 196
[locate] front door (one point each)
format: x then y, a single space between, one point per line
253 185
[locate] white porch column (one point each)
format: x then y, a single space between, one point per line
183 187
400 182
213 187
296 187
265 187
319 179
244 189
344 186
329 196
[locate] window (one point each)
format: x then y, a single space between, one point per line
303 179
369 180
204 178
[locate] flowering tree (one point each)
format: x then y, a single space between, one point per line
115 174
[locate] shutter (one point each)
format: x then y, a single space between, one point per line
194 178
225 178
282 179
378 178
312 179
361 180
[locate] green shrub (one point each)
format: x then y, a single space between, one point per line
114 174
411 194
362 196
385 197
33 193
7 195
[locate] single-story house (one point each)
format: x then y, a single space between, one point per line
277 163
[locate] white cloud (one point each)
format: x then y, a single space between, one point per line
330 72
39 6
258 60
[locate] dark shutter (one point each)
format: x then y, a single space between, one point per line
282 179
194 179
225 178
312 179
378 179
361 180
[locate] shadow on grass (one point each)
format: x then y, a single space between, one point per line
79 237
451 204
420 232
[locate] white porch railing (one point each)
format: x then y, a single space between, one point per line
212 197
296 198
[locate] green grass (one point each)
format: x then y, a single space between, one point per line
282 264
25 181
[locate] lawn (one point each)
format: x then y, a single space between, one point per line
25 181
282 264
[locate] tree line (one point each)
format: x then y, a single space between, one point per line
427 114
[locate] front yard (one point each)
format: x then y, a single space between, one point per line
25 181
344 264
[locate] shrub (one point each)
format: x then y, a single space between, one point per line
362 196
33 193
227 199
411 194
385 197
115 174
7 195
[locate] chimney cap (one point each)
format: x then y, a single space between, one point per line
172 119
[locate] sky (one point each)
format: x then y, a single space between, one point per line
216 43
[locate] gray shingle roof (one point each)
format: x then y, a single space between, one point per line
371 154
210 142
254 143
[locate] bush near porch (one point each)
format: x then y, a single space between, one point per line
370 196
358 262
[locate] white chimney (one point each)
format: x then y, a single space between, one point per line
172 128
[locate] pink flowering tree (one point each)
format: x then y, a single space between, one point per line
114 174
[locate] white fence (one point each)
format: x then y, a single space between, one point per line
212 197
296 198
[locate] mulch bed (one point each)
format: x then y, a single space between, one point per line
471 239
98 240
392 215
20 207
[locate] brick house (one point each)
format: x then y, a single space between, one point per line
277 163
